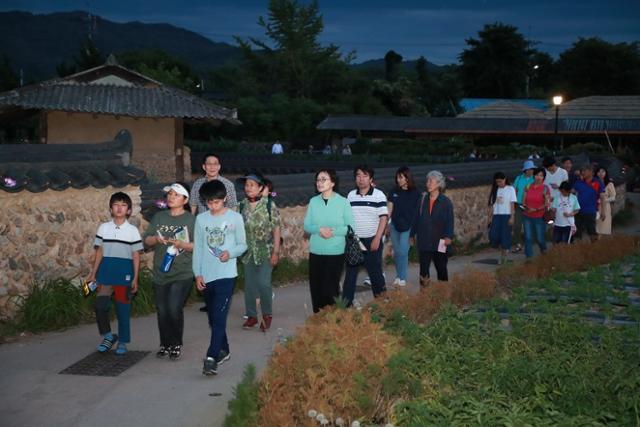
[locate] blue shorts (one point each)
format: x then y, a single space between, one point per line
500 232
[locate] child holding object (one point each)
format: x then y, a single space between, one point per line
566 207
115 270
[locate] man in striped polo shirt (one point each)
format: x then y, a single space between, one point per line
369 206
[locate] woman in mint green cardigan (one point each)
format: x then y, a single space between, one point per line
326 221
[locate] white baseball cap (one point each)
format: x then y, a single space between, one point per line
178 188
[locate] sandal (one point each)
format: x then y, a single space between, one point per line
107 343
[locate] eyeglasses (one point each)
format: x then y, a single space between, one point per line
322 179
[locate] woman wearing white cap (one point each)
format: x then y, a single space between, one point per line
172 230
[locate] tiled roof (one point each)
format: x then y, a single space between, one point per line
504 109
133 101
38 167
599 107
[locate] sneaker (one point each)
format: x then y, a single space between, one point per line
108 342
402 282
396 281
210 366
266 322
174 352
367 281
162 352
250 323
223 356
121 350
203 309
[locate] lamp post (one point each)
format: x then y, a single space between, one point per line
557 100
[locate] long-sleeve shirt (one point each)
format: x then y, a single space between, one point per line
335 213
213 235
432 224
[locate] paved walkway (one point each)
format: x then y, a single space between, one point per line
156 392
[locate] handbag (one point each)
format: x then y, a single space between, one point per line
352 252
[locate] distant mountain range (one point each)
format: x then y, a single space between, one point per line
36 44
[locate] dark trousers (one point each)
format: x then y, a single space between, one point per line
561 234
170 301
585 222
324 279
439 260
218 295
373 264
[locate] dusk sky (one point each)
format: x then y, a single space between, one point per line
434 29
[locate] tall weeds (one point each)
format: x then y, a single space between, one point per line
334 366
463 289
568 258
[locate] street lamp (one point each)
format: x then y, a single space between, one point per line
557 100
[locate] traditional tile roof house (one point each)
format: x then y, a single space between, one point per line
617 116
93 105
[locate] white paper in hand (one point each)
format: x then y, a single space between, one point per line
442 248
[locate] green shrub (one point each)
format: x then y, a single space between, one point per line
243 408
50 305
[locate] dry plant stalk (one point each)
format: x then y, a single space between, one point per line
569 258
319 370
463 289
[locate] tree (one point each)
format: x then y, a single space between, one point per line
88 57
293 62
161 66
595 67
8 78
496 64
392 65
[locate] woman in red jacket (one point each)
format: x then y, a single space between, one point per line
536 201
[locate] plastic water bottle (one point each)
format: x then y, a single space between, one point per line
169 256
281 338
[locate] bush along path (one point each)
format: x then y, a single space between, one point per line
483 349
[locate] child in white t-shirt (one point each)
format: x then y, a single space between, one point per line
566 207
502 201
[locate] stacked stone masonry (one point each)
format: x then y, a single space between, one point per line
48 235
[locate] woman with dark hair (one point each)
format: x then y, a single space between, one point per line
403 204
326 221
262 226
173 227
603 225
537 199
502 202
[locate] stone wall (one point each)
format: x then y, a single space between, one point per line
50 234
470 211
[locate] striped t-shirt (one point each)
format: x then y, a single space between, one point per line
118 242
367 210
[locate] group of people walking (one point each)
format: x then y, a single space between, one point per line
407 215
207 246
573 202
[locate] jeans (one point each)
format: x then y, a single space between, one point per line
516 237
400 242
561 234
218 295
324 279
534 227
373 264
439 261
170 301
257 283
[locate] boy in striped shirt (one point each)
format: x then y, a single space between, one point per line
115 270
